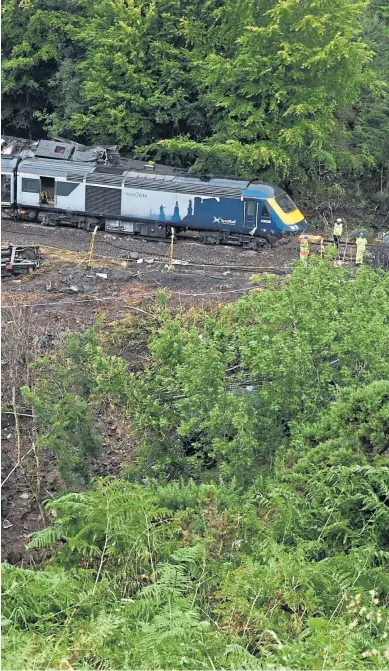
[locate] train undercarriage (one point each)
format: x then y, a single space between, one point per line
144 229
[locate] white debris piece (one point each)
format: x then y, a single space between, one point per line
140 261
102 275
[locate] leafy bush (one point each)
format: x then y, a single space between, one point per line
224 394
208 582
259 538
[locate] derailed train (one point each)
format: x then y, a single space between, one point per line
59 182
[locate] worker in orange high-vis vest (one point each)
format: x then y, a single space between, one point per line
304 249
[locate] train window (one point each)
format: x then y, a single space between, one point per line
265 210
65 188
59 150
250 208
285 203
30 185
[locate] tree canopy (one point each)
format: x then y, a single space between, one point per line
283 89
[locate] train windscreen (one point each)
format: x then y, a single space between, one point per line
285 203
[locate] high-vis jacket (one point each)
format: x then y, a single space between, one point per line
361 246
338 229
304 251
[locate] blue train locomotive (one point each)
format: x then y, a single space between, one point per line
58 182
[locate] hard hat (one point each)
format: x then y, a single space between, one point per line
361 235
339 221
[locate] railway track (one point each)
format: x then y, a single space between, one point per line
180 265
188 248
194 237
189 252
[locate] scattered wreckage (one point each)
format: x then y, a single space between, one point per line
19 260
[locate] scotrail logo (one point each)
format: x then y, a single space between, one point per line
219 220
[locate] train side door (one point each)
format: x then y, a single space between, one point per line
47 192
6 189
250 213
266 223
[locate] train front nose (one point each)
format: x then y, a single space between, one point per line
294 229
303 225
300 226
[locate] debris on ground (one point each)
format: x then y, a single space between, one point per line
19 260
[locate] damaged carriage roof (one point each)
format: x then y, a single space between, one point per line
60 156
58 149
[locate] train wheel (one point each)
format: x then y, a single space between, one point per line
29 254
210 239
268 243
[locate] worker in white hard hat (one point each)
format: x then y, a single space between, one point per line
337 232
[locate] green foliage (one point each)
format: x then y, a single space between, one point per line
66 386
195 584
226 393
276 102
260 537
285 89
359 419
212 396
35 41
